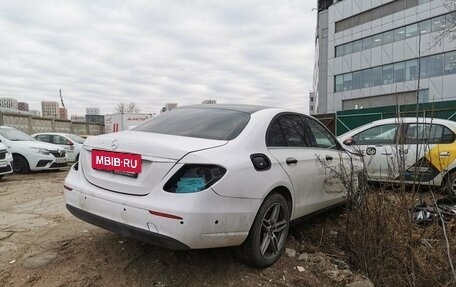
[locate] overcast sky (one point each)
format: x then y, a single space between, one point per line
101 53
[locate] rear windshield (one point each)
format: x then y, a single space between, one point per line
215 124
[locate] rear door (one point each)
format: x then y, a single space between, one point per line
430 151
67 144
379 146
288 141
334 160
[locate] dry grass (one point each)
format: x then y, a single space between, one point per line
381 240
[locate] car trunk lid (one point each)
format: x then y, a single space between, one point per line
159 153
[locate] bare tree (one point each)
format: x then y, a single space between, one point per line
449 28
127 108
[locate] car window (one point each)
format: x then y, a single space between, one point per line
76 138
322 138
15 135
287 130
428 133
207 123
383 134
60 140
44 138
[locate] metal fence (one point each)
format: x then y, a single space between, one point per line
32 124
350 119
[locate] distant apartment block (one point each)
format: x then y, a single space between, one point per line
23 106
63 114
209 102
50 109
9 103
94 119
92 111
168 107
76 118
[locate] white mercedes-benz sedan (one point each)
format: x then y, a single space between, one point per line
211 176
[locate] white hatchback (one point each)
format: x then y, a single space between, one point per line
30 154
70 142
6 161
407 150
211 176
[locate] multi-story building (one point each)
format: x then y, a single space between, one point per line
76 118
9 103
92 111
50 109
168 107
63 114
311 102
209 102
23 106
383 52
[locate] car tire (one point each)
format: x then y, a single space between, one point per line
268 234
450 183
20 164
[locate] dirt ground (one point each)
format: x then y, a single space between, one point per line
42 244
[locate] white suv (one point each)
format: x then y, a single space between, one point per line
30 154
70 142
6 160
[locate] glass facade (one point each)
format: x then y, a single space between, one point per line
377 13
431 66
434 24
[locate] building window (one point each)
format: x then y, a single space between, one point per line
347 82
399 34
357 46
450 63
387 37
388 9
399 72
438 24
356 80
348 48
377 76
399 5
436 65
387 74
339 83
366 78
411 31
424 67
425 27
340 51
377 40
367 43
411 69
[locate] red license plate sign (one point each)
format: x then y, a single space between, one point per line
116 161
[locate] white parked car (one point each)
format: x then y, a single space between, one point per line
70 142
407 149
30 154
6 161
210 176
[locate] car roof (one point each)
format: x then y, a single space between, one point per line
51 133
407 120
250 109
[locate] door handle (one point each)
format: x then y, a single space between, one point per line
291 161
328 158
444 154
386 153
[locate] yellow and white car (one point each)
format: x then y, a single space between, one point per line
409 149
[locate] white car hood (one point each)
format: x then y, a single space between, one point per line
37 144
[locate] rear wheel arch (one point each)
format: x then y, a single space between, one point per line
285 192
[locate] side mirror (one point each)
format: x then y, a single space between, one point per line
350 141
69 143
